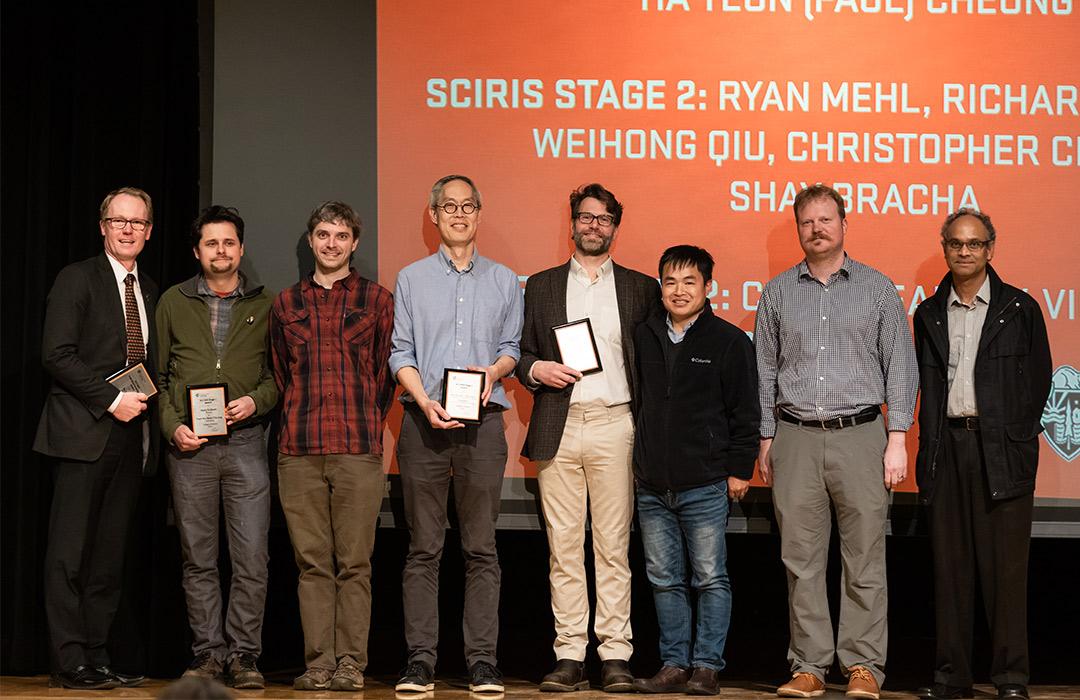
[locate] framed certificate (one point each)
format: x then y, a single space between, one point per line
134 378
206 405
462 393
577 346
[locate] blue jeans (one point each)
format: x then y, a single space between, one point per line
683 534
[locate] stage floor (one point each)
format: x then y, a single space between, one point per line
30 688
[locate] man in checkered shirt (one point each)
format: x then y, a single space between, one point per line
833 344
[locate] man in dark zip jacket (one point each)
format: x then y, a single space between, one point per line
696 440
984 367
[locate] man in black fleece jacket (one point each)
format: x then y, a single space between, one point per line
695 444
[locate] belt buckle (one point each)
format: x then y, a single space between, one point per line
824 424
969 424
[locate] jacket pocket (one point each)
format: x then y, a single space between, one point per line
359 327
296 329
1022 451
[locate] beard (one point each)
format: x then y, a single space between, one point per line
591 247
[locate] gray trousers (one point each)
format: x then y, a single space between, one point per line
474 457
232 471
812 467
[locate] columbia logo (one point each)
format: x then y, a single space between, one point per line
701 360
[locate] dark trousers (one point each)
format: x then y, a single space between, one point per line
88 526
474 457
976 537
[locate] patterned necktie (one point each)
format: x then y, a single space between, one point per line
136 349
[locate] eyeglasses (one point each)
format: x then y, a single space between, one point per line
117 223
452 207
585 217
974 246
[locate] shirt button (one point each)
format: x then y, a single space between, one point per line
460 322
824 318
459 342
461 299
821 379
822 347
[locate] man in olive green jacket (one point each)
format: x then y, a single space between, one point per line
213 330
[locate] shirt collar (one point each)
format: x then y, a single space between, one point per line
348 281
119 271
804 269
578 270
982 295
686 328
444 258
203 288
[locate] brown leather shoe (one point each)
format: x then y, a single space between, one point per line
615 676
861 684
705 681
802 685
668 679
569 675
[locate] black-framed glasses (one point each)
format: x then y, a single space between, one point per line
452 207
118 223
974 246
586 218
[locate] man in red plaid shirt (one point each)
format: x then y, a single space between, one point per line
330 341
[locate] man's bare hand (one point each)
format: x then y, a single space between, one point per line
554 374
491 375
185 440
765 461
895 459
737 488
132 403
239 409
438 417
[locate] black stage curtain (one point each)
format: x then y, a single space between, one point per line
95 96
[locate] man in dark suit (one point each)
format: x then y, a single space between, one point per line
984 370
98 320
582 435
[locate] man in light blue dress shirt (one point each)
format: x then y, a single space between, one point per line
453 310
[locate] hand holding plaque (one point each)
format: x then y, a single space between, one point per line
206 404
577 346
134 379
463 391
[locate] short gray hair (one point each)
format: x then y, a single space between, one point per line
440 185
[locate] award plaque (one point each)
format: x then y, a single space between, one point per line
134 379
577 346
206 405
463 390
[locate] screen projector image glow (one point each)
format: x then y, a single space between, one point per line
706 117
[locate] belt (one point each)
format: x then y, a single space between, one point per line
964 422
834 423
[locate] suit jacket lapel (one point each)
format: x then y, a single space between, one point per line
624 293
113 309
558 295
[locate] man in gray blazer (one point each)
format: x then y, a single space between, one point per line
581 435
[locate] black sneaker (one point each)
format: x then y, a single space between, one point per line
418 677
244 674
205 665
485 678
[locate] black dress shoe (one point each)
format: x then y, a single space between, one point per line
568 676
82 678
615 676
1013 690
125 680
944 692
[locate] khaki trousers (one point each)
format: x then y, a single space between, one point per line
812 467
331 505
591 474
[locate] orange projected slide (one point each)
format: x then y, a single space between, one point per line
705 117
